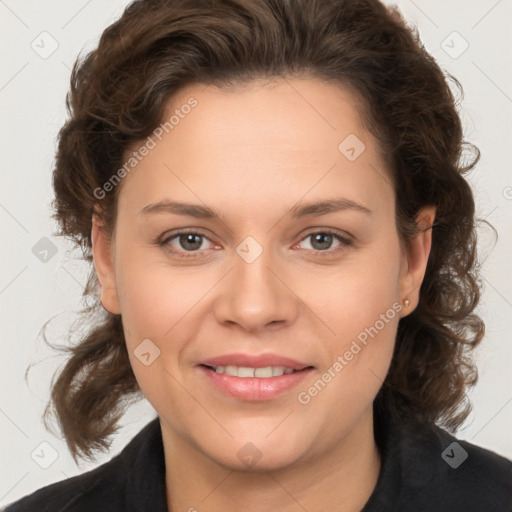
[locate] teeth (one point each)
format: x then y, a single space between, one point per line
263 372
276 371
244 371
231 370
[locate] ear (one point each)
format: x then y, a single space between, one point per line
104 265
416 259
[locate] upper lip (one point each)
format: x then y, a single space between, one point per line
254 361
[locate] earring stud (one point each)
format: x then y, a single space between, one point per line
407 303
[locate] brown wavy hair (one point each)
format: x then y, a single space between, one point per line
117 98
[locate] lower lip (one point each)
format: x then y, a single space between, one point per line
255 389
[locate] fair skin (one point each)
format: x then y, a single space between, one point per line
252 154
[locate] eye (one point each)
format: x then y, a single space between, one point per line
186 241
321 241
190 244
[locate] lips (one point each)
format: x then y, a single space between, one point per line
254 378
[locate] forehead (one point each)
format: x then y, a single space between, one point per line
263 139
282 114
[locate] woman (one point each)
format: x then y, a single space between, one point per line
284 249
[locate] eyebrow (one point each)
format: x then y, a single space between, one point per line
312 209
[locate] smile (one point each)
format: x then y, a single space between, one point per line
261 373
253 384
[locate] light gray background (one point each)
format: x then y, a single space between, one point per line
32 92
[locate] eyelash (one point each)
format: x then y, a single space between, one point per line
195 254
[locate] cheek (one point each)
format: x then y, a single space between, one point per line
361 348
153 297
362 309
156 304
357 354
357 295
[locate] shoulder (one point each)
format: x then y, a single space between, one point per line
102 488
79 493
445 473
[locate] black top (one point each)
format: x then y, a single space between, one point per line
423 470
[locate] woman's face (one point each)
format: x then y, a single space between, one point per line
268 280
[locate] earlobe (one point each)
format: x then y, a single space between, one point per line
104 265
418 251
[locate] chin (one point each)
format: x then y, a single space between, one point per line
258 456
273 462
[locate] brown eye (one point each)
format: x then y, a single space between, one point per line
190 242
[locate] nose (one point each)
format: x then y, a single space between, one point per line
255 294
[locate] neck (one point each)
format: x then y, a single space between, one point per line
342 478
